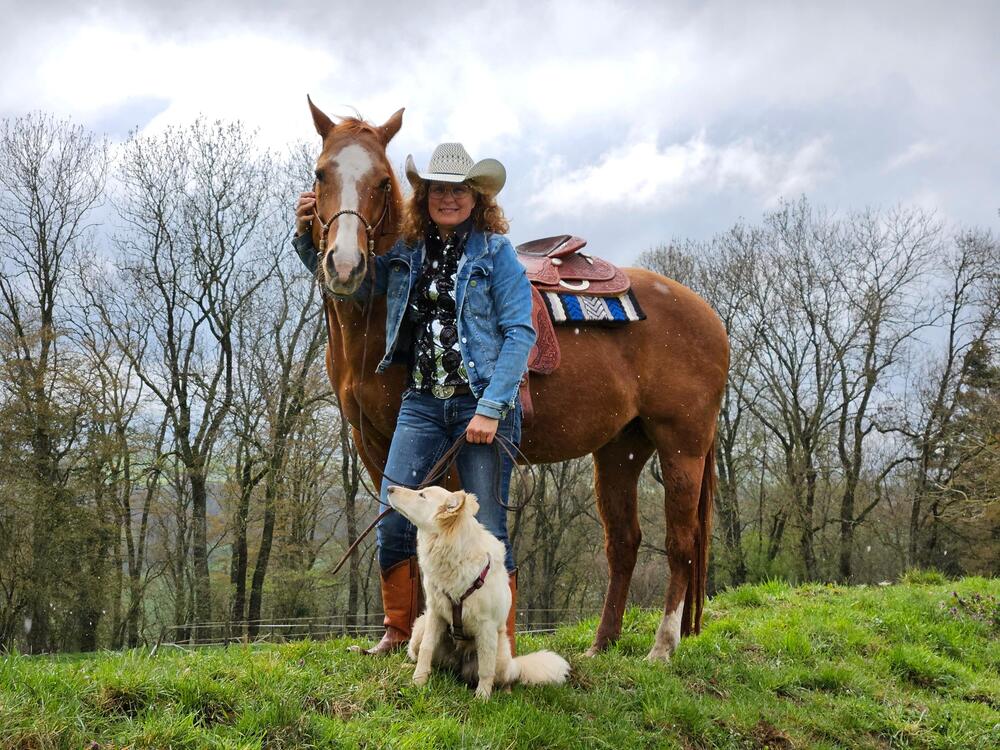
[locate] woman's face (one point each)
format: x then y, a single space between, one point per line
449 204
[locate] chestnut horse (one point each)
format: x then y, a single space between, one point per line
620 394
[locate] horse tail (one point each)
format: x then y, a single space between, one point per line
694 598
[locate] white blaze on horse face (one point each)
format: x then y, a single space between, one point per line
353 163
668 635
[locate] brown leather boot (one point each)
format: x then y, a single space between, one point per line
401 597
512 614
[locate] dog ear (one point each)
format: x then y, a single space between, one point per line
452 509
455 502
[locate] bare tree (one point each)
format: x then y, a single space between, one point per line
52 176
281 361
970 314
792 359
192 206
880 268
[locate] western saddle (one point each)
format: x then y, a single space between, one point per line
555 264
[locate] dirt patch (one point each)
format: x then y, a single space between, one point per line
989 700
118 701
338 708
766 736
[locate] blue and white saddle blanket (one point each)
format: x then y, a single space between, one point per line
587 309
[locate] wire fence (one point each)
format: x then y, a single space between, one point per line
222 633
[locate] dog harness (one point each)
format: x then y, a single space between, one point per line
455 629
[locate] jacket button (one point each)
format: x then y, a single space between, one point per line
472 283
464 340
472 364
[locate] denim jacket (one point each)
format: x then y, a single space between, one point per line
493 304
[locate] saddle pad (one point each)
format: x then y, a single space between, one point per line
586 309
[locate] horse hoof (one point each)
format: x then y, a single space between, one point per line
658 655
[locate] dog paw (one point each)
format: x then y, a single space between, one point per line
420 678
483 692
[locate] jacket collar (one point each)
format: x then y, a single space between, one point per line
475 245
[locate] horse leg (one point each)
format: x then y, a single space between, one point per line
617 467
373 452
683 476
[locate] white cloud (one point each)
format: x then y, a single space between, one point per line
641 175
914 153
590 102
241 74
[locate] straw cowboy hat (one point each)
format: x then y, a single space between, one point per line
450 162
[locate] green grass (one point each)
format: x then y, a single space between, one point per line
910 665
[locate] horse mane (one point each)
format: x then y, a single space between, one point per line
357 126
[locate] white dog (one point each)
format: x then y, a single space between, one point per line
467 596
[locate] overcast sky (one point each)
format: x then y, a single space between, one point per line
629 123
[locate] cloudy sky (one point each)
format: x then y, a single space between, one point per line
629 123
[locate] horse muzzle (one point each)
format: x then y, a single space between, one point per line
344 276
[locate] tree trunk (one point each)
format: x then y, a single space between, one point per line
263 557
199 552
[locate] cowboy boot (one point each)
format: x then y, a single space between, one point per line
401 599
512 613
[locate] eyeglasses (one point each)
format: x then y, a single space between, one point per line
438 190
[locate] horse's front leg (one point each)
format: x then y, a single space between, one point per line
373 451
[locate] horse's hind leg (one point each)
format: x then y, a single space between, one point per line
617 466
682 483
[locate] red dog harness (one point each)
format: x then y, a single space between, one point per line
455 629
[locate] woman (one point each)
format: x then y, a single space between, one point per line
459 317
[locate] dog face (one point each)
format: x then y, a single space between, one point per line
433 509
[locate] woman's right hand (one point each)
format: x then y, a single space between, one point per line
305 212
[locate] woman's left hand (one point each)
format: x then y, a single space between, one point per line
481 429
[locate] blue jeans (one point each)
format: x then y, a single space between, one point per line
426 428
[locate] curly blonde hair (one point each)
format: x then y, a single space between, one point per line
487 216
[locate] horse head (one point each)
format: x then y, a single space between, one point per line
357 197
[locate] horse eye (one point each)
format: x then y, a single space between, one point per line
319 175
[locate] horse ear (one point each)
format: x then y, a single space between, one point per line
323 123
392 126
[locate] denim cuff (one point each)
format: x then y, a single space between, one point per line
306 251
491 409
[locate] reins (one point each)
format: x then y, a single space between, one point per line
440 469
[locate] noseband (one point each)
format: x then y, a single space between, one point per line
369 228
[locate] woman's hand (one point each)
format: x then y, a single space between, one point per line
481 429
305 212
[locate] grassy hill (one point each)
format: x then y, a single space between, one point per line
908 665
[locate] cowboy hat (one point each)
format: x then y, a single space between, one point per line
450 162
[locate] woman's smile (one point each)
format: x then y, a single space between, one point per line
449 204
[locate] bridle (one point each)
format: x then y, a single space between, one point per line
369 228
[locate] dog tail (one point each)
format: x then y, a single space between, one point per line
539 668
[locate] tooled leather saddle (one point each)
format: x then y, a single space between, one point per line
555 264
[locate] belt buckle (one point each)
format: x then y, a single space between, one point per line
442 391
